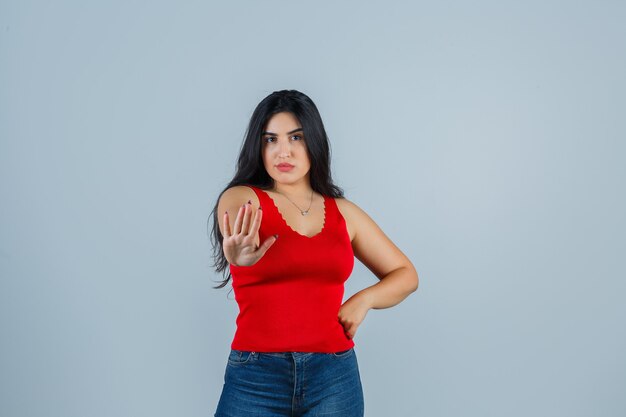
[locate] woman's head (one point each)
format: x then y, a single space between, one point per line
284 108
284 151
267 143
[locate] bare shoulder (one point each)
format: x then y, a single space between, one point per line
341 206
370 244
236 196
349 208
350 213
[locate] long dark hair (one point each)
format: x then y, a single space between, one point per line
250 168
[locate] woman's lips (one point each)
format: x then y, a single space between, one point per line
284 168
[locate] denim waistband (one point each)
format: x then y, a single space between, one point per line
290 354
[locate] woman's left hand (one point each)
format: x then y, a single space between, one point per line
352 312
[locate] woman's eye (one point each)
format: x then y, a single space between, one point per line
270 138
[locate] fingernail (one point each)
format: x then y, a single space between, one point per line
276 236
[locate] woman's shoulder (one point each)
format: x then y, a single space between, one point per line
238 195
345 206
349 211
357 220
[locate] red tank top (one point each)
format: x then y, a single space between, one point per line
289 300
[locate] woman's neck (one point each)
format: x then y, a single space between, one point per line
294 191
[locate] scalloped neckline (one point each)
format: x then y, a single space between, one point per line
291 228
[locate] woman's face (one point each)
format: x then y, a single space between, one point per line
283 143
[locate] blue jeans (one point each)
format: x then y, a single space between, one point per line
295 384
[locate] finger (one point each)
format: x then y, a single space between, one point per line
348 326
256 224
226 224
266 245
239 219
347 333
350 332
246 218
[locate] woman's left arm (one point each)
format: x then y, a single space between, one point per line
397 275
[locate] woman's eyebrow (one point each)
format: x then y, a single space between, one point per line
289 133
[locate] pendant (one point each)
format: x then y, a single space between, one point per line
304 213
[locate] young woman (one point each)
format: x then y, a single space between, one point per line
289 238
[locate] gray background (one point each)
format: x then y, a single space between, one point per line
485 138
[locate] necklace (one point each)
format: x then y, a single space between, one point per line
302 212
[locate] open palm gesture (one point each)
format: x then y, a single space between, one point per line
239 245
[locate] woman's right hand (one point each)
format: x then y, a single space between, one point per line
239 245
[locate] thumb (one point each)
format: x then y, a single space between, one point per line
266 245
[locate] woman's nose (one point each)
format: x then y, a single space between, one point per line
285 149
